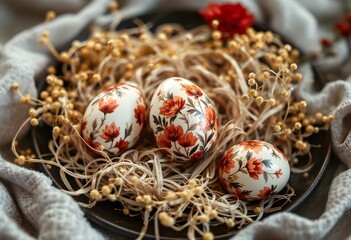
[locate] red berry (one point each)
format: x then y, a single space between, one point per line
233 18
348 17
343 28
326 42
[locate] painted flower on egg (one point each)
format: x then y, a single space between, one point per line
114 119
183 119
107 106
172 106
139 114
253 170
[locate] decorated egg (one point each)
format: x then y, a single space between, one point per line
253 170
115 118
183 119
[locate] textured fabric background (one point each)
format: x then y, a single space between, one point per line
30 208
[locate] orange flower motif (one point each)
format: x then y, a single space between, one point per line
163 141
92 143
223 182
113 86
192 91
251 145
239 194
197 155
171 133
227 162
278 173
159 93
139 114
209 121
107 106
264 193
121 145
83 125
188 140
172 106
254 167
110 132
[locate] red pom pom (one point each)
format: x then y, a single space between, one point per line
232 17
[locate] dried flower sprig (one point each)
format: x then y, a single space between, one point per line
250 79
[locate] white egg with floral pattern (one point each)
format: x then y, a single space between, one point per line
114 119
183 119
253 170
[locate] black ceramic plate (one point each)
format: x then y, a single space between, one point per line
106 213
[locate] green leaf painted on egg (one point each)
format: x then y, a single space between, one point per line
155 120
190 103
202 140
243 170
193 150
192 127
246 192
210 137
204 102
265 176
274 154
159 129
248 155
94 124
194 111
128 130
169 95
235 185
240 163
267 163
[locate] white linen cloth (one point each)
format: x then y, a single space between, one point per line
31 208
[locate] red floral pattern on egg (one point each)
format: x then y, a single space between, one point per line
197 155
92 143
253 145
227 161
113 87
254 167
172 106
265 192
110 132
170 134
193 91
114 118
107 106
188 140
122 145
253 170
183 119
209 121
139 114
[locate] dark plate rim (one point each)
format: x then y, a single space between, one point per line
91 215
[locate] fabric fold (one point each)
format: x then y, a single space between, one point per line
22 58
292 226
55 215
